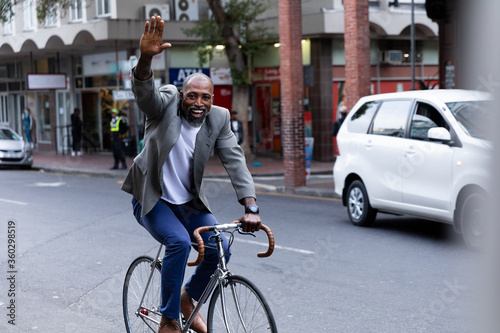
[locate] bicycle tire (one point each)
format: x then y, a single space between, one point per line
133 288
256 315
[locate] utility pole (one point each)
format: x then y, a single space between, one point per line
292 93
357 50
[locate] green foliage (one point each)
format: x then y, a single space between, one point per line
235 28
44 8
6 10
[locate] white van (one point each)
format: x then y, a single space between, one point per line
423 153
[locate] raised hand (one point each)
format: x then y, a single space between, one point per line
150 45
151 41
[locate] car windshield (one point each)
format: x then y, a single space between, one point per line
474 117
7 134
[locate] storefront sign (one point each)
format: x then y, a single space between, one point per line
266 74
46 81
122 95
104 63
221 75
177 75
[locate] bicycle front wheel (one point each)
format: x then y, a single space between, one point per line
145 316
239 307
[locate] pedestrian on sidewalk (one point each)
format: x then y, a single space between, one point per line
118 129
29 125
76 132
237 127
169 200
336 127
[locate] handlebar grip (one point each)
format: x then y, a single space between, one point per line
270 238
201 245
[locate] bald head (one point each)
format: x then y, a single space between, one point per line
196 77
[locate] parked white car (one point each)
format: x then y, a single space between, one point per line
420 153
14 151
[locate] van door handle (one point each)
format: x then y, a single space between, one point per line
410 151
369 144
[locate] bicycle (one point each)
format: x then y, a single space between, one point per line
236 305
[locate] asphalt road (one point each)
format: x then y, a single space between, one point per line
75 237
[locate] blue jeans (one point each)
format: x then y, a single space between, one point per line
173 226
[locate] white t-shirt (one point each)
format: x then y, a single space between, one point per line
178 168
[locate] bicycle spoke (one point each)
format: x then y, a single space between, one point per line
239 307
141 317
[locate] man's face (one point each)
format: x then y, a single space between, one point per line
197 101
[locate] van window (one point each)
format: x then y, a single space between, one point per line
361 120
425 118
391 118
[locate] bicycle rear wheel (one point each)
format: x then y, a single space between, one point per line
246 310
141 317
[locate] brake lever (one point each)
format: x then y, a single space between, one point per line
241 232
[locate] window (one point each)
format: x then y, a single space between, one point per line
103 7
8 27
51 18
29 15
44 117
391 118
4 112
361 120
474 117
76 10
425 118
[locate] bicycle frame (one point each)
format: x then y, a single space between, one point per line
218 277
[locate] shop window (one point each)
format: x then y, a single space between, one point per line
44 117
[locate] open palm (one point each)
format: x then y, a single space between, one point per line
151 40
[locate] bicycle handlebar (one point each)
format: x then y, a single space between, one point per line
223 227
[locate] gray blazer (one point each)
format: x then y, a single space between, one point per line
162 129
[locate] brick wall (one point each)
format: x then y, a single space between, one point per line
357 50
292 90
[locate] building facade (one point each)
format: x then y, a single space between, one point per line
82 59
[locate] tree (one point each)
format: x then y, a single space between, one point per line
232 24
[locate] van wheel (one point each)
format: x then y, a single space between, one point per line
358 206
473 221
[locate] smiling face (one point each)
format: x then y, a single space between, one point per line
197 98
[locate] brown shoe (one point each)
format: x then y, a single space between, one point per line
187 307
168 325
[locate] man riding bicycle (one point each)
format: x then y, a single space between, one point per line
181 130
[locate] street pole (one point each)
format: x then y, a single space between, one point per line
412 46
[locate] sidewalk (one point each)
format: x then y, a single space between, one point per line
267 171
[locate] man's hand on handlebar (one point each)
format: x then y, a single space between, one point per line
250 222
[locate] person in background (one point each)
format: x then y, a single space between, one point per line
343 113
28 126
76 132
237 127
336 127
118 129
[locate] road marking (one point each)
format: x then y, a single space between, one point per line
271 188
298 196
14 202
286 248
55 184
